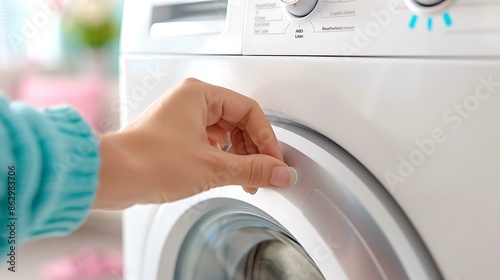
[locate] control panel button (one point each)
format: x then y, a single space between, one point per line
299 8
429 7
429 3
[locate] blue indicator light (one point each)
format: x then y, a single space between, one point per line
413 21
430 21
447 19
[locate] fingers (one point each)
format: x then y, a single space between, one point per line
218 135
250 190
255 149
254 171
231 111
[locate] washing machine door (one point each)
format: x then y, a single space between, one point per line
338 222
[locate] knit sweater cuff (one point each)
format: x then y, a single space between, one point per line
64 203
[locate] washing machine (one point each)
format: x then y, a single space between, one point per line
387 109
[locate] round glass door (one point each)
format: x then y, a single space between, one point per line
337 222
238 243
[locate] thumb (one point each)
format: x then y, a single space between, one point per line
258 170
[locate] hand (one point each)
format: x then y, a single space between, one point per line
172 151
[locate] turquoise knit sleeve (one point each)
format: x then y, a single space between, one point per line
49 163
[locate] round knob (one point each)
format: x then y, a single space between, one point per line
428 7
299 8
429 3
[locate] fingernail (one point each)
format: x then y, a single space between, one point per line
285 177
251 191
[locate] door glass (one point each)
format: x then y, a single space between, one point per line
279 258
241 245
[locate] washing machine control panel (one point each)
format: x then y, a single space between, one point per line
299 8
372 28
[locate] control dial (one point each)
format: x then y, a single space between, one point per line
428 7
429 3
299 8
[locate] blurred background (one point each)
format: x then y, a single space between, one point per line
62 51
65 52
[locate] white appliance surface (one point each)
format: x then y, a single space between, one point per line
382 28
410 91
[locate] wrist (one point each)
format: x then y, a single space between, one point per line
118 176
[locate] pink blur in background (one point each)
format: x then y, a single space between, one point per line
85 94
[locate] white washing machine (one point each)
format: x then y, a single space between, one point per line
388 109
